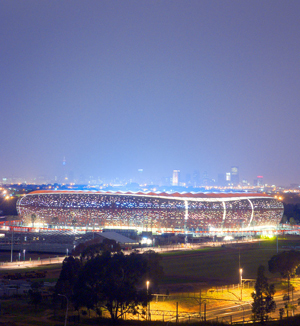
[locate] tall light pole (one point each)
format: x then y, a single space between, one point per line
148 303
66 317
241 282
12 245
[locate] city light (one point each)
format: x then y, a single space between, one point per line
228 238
151 211
146 241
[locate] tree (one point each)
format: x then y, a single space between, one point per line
110 281
285 263
284 219
55 220
68 276
263 301
34 294
73 221
94 247
33 219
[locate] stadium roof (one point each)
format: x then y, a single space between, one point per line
119 238
210 195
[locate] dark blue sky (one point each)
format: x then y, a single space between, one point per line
114 86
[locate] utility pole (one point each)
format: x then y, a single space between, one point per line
12 245
200 304
277 240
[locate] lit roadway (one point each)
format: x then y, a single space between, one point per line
240 310
180 247
32 263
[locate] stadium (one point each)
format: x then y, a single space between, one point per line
152 212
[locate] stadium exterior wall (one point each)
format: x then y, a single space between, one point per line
154 212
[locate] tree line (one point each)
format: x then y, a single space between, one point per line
291 214
286 264
104 280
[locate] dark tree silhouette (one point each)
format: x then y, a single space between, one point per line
285 263
34 294
94 248
110 281
33 219
263 301
55 220
68 276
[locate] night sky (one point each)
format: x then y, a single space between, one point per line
117 86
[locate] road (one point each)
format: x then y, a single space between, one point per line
31 263
243 311
179 247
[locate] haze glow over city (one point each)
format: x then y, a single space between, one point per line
111 87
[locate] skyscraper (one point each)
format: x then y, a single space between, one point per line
228 177
64 177
235 178
196 178
176 176
259 181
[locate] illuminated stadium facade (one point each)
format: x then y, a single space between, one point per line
154 212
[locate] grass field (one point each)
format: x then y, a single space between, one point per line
220 265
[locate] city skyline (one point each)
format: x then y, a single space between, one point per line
113 87
175 178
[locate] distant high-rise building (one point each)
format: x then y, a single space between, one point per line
259 181
205 180
64 176
228 177
245 182
196 178
235 178
140 178
188 179
176 177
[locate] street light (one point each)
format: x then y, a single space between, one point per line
241 282
66 317
148 302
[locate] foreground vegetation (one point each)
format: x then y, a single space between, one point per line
186 272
